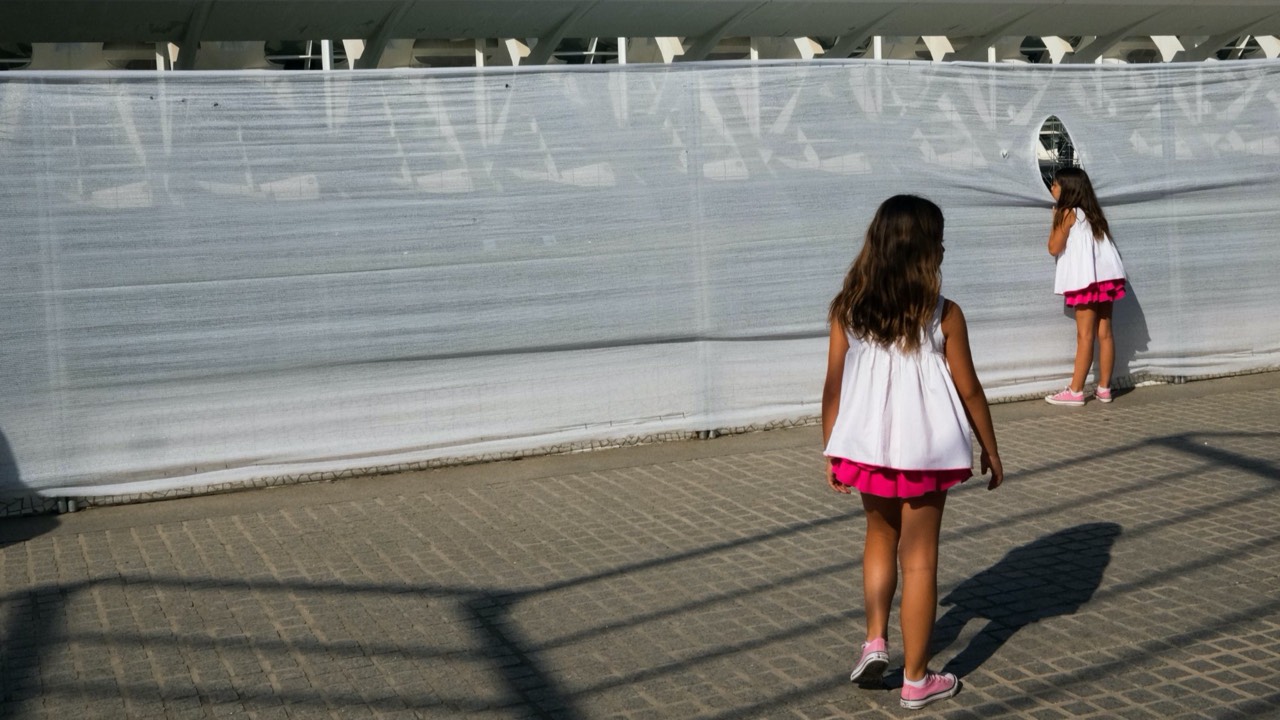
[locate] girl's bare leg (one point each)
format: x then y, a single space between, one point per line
1086 327
1106 345
918 553
880 561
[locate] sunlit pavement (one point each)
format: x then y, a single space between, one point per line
1127 569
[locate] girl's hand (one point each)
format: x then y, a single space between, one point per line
992 463
833 482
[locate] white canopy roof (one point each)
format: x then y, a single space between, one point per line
230 20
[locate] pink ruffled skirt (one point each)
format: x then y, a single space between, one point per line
1104 291
894 483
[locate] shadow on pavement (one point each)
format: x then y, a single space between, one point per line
1198 445
17 529
21 529
1052 576
523 681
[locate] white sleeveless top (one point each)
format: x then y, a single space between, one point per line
900 410
1085 261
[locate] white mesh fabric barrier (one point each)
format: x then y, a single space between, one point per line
212 278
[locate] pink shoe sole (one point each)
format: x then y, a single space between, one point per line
871 665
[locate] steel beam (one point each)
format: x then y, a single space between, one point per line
376 44
976 49
703 46
851 40
546 47
190 45
1215 43
1102 43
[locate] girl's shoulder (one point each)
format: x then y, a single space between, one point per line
947 311
1077 220
951 319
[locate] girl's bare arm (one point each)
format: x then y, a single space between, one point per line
836 351
969 388
1062 223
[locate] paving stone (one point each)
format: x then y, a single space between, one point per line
1128 573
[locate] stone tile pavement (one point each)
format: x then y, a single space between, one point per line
1127 569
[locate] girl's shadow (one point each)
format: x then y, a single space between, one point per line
1054 575
1129 327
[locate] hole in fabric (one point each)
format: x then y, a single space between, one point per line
1054 149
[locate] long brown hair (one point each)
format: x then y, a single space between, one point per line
892 287
1076 192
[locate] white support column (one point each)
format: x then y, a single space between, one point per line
1057 47
1009 49
654 49
939 46
1270 45
622 51
1240 47
1168 45
807 48
1206 49
162 59
516 50
354 49
852 40
670 47
775 48
481 43
877 46
326 64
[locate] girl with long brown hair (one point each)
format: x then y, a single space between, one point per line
1090 276
900 399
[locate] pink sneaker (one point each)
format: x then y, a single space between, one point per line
936 687
1066 397
870 667
1103 394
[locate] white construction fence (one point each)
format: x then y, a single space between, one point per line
212 279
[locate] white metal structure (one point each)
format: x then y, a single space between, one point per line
323 34
230 278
